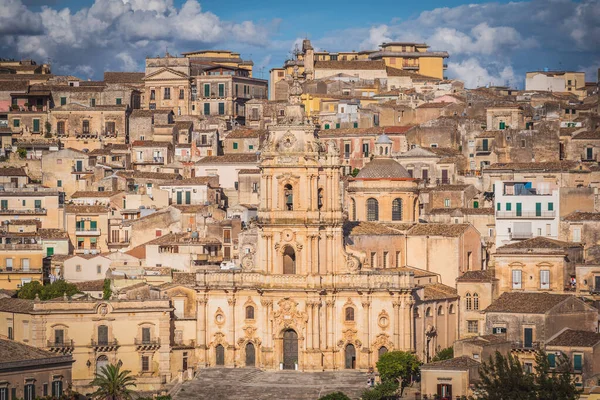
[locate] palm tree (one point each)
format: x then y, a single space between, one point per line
113 384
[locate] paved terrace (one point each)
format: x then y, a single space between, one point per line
254 384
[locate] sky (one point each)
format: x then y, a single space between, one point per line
489 42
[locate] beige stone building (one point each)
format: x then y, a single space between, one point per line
44 204
477 290
66 170
88 228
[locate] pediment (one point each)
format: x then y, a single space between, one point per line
166 73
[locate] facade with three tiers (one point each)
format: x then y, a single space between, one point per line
303 300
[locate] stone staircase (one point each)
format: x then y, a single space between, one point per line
254 384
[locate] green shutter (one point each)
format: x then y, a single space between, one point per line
235 145
508 206
59 183
179 197
206 90
188 197
63 101
356 124
326 126
93 240
93 225
519 209
550 206
475 204
538 209
221 108
498 206
118 100
552 360
337 126
36 125
485 144
206 108
16 123
221 90
502 125
49 251
38 204
577 362
4 204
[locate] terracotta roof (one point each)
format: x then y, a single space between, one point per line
14 86
240 158
80 209
90 286
24 222
396 129
247 133
190 208
448 188
573 338
376 130
53 233
150 143
91 193
486 339
182 239
582 216
588 135
148 175
12 171
439 104
439 291
198 180
477 276
19 306
124 77
458 363
138 252
526 303
435 229
23 355
539 242
383 168
534 166
352 65
369 228
401 72
463 211
248 171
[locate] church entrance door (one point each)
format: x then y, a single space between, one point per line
220 354
350 356
290 349
250 355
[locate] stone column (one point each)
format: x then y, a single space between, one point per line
315 329
396 340
309 337
367 328
408 329
201 327
231 301
329 253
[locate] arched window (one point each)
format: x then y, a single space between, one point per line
428 312
102 335
468 302
320 198
382 350
349 314
101 362
475 301
440 310
60 127
288 193
372 210
353 209
451 309
249 312
289 261
397 210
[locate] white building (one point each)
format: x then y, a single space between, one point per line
525 209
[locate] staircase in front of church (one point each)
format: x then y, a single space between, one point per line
255 384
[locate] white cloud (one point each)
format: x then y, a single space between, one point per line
474 74
377 36
129 64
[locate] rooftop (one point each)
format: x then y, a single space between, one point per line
12 171
383 168
247 133
84 209
241 158
570 337
526 303
549 166
14 305
458 363
582 216
477 276
16 352
434 229
539 242
373 228
439 291
351 65
91 193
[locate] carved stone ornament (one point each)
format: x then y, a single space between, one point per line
248 262
103 309
219 339
352 263
349 336
382 340
219 317
383 320
288 315
287 235
287 141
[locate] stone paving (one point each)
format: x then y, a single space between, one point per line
254 384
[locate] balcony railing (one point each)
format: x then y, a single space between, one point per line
35 211
585 157
150 344
88 231
482 149
21 246
107 345
84 170
525 214
65 346
13 270
443 181
519 345
521 235
406 65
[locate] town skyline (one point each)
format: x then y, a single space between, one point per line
488 42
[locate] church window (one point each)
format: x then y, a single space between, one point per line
289 261
372 210
475 301
353 209
385 259
249 312
320 198
373 259
397 210
288 193
349 314
440 310
428 312
468 302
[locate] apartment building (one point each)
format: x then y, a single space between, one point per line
21 254
525 209
557 81
87 226
43 204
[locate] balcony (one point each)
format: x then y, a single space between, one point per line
525 214
145 345
64 347
34 211
483 149
410 66
443 181
21 246
81 171
184 344
520 235
12 270
103 346
88 231
521 346
152 160
589 158
123 243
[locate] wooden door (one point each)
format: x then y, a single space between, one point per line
250 355
220 355
350 355
290 349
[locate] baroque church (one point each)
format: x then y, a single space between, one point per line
303 300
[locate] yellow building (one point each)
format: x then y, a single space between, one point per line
412 57
557 81
87 226
21 254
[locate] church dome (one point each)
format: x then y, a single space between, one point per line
383 139
383 168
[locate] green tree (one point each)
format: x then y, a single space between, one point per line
106 290
355 172
381 391
398 366
503 378
22 152
113 384
47 292
444 354
554 383
48 127
335 396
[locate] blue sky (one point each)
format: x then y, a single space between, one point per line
488 42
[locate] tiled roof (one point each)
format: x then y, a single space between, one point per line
249 171
124 77
25 222
582 216
247 133
539 242
53 233
401 72
376 130
526 303
573 338
369 228
13 305
150 143
439 104
477 276
179 125
463 211
486 339
588 135
90 286
198 180
182 239
352 65
534 166
439 291
383 168
190 208
16 352
91 193
81 209
241 158
12 171
138 252
434 229
148 175
458 363
448 188
14 86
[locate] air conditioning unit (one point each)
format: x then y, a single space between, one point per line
86 252
94 251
